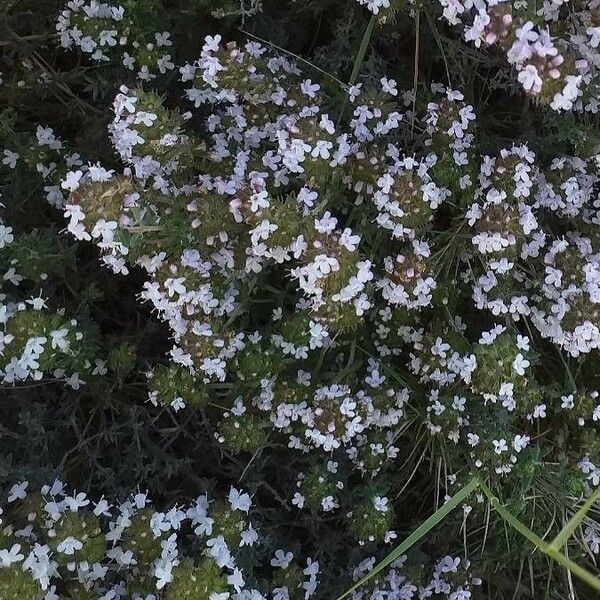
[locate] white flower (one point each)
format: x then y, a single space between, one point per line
69 546
74 382
520 442
10 159
8 557
108 37
328 503
309 88
298 500
249 537
326 224
102 507
389 536
523 343
448 564
520 364
162 39
145 118
500 446
381 503
177 404
217 548
71 181
77 501
282 559
349 240
239 500
211 44
488 337
389 86
567 402
17 491
354 91
473 439
6 235
530 79
59 339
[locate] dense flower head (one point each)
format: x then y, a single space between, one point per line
448 577
106 31
557 65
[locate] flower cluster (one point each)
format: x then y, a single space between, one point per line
555 51
375 6
106 31
449 578
213 218
45 155
369 299
59 545
37 340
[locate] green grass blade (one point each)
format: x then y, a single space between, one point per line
510 518
295 56
416 535
592 580
549 549
358 61
438 41
362 51
569 529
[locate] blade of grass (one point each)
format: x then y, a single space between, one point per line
568 371
569 529
358 61
416 535
416 69
540 544
436 35
362 51
295 56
